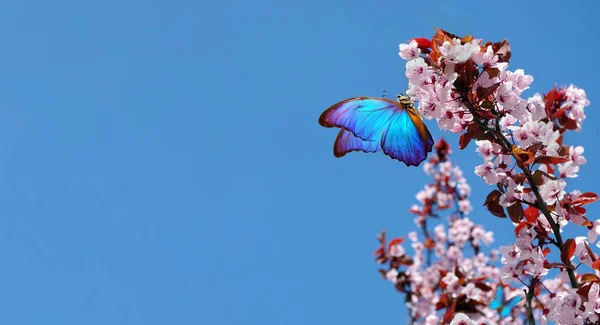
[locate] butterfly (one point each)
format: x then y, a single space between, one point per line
504 307
370 124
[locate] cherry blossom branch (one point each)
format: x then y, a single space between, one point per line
541 205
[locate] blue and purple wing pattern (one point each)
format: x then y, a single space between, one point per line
366 117
407 139
347 142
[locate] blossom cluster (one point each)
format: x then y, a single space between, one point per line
465 85
447 271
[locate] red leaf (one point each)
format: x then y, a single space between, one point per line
550 160
596 265
464 140
585 198
493 205
531 214
424 44
442 148
567 251
394 242
515 212
484 92
590 253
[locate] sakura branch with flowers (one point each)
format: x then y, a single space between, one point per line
465 85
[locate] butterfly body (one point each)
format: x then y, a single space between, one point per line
370 124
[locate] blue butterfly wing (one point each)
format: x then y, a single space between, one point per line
347 142
498 299
366 117
407 138
509 305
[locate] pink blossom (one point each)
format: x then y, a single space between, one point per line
461 319
537 108
568 170
465 206
488 59
458 52
575 153
392 275
552 190
526 134
460 231
581 251
510 254
416 69
410 51
480 235
594 232
520 80
592 306
536 267
432 320
488 172
487 149
396 251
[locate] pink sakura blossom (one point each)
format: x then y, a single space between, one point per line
460 231
480 235
432 320
417 69
594 232
487 149
592 306
410 51
461 319
536 107
576 101
457 52
520 80
488 172
488 59
568 170
552 190
510 254
581 251
564 308
535 267
396 250
575 155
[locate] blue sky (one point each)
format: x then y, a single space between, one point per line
161 161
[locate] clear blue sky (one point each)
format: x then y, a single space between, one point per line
161 161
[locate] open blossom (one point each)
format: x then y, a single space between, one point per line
461 319
488 172
487 149
489 59
510 254
592 306
457 52
568 170
575 153
594 232
410 51
552 190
